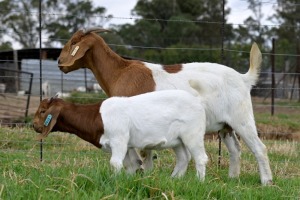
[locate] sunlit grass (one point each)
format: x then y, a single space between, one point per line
73 169
291 121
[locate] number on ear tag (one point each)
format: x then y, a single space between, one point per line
75 51
47 120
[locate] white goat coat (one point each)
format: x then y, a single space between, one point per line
156 120
214 81
152 120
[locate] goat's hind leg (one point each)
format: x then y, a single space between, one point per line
132 161
231 141
249 135
183 157
148 160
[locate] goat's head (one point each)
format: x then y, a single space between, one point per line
72 55
46 116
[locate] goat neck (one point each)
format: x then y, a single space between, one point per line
83 121
106 65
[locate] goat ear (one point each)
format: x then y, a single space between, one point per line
52 115
77 52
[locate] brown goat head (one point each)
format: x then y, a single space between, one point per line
46 110
72 55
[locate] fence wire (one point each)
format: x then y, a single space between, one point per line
10 98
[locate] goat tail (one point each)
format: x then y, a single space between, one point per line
251 77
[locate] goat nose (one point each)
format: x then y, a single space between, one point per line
58 61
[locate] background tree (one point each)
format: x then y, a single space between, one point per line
4 45
60 19
170 25
71 16
288 36
20 21
252 29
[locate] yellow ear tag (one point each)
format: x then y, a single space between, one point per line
75 51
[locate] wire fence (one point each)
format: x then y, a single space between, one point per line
16 92
64 147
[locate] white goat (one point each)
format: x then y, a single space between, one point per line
2 88
46 89
156 120
81 89
63 94
97 88
55 114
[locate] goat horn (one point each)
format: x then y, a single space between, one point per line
95 29
49 100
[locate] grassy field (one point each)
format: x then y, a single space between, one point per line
73 169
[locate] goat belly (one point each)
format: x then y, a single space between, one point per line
153 143
159 135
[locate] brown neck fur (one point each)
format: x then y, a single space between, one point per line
82 120
105 64
118 76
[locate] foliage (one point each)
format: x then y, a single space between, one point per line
252 29
185 18
60 19
20 21
76 15
5 46
160 34
288 34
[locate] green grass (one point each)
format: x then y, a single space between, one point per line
286 114
288 121
85 97
73 169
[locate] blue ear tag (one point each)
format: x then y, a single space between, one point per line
47 120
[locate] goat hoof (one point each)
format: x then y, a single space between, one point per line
140 171
140 162
269 183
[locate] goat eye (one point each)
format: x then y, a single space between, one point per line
73 43
42 111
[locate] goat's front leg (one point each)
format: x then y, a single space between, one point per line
183 158
194 142
118 151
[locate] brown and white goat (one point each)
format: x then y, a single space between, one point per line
81 120
226 92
